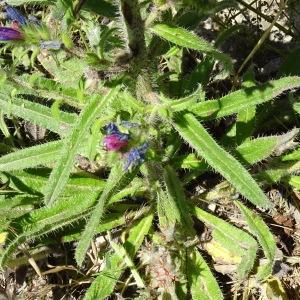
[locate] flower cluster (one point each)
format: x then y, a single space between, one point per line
13 33
115 140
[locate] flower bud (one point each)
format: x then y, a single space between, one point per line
10 34
115 141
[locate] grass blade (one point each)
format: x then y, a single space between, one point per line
120 250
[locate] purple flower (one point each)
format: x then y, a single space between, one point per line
10 34
136 156
115 141
14 14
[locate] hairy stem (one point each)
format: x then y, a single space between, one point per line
130 10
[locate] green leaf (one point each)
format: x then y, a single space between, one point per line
294 181
253 151
204 285
44 220
122 253
37 114
177 200
184 38
265 238
245 124
232 238
104 284
296 107
32 181
101 7
30 157
118 179
295 155
60 174
47 88
244 98
109 222
195 134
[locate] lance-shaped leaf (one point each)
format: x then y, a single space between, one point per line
37 114
253 151
244 98
31 156
195 134
265 238
176 203
32 181
245 124
203 284
232 238
104 284
47 219
187 39
60 174
118 179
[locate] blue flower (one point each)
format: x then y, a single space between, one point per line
136 156
14 14
112 128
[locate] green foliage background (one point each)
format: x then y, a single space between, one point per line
126 60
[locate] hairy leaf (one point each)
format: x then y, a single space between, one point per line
177 200
265 238
195 134
204 285
30 157
244 98
59 175
37 114
184 38
45 220
235 240
118 179
104 284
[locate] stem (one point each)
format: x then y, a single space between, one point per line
135 28
263 37
78 7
